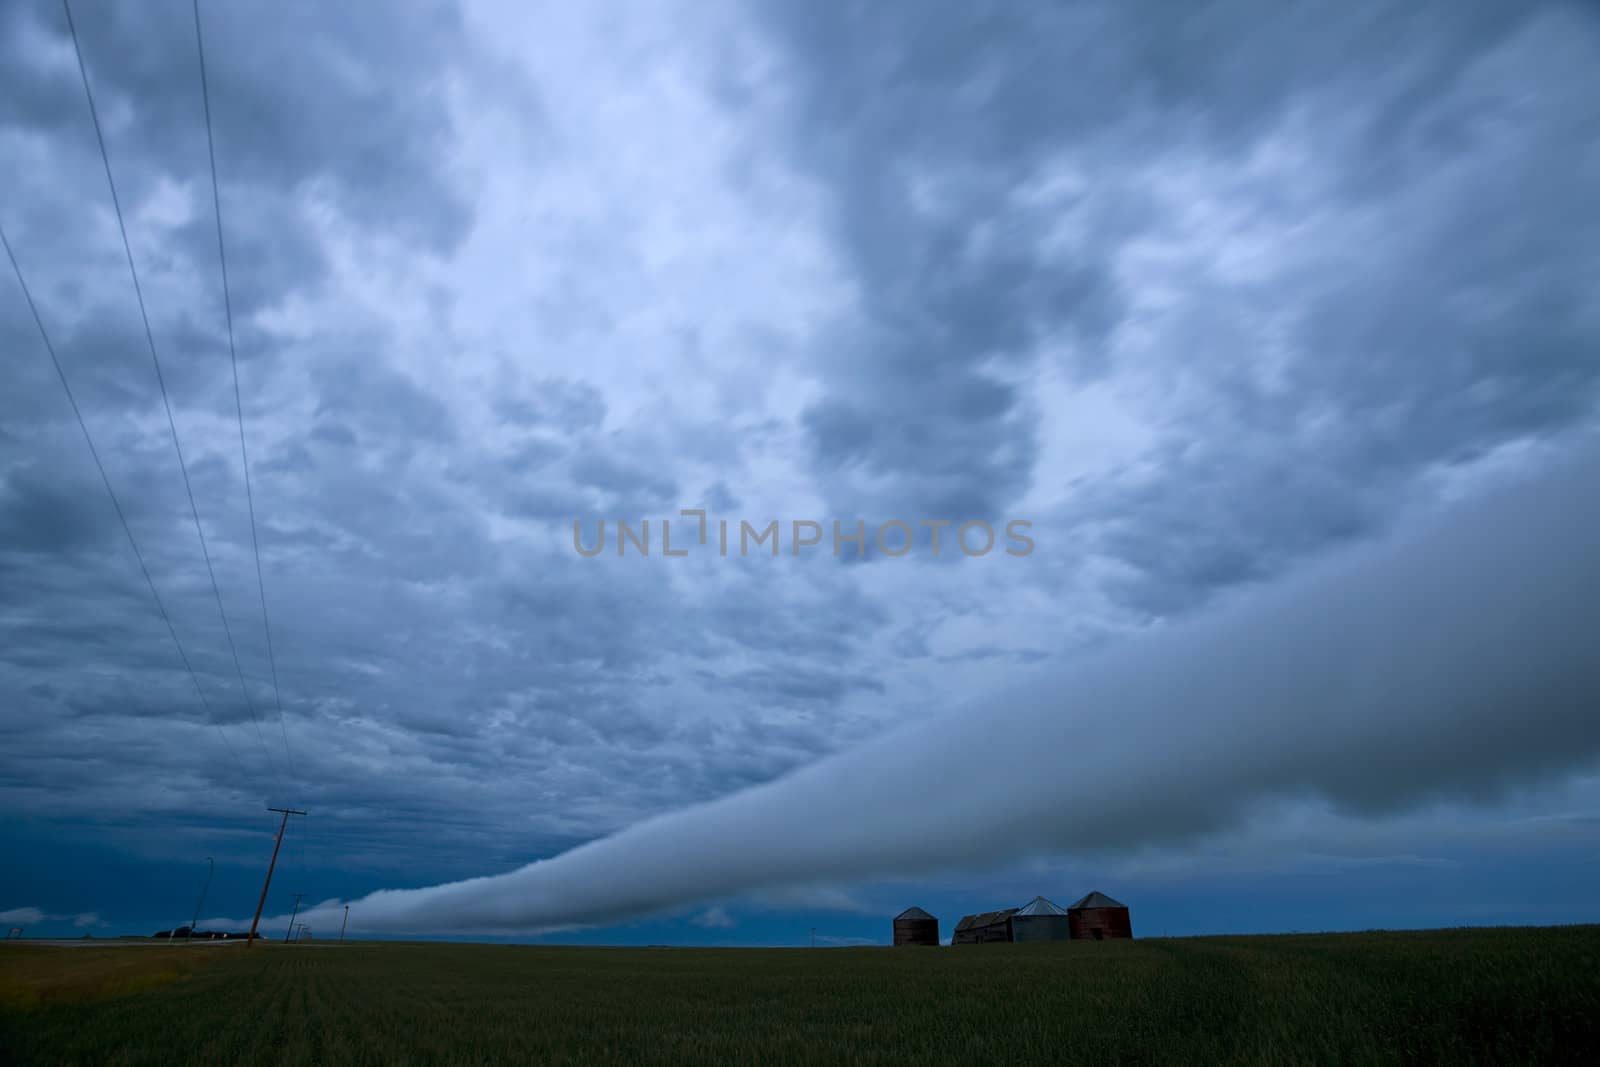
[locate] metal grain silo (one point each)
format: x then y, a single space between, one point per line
1097 917
915 927
1040 920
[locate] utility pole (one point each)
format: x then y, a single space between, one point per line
202 901
344 924
279 844
292 914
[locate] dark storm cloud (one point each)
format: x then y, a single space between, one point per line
926 123
1466 131
40 513
303 95
1334 261
312 108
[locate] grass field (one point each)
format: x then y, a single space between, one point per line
1499 996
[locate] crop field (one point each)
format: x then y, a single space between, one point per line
1495 996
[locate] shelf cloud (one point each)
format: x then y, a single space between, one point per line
1453 658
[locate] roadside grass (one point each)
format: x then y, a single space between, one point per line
1490 996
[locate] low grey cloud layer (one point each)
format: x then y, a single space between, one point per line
1206 296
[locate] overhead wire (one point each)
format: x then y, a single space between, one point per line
233 357
172 424
116 504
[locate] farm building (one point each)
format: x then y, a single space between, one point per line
984 928
1040 920
183 933
1098 917
915 927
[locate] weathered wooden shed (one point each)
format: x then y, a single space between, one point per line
1097 917
1041 920
984 928
915 927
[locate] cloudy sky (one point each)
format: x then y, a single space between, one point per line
1256 313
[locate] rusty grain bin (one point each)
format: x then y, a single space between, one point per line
1097 917
915 927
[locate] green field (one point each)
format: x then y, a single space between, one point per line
1498 996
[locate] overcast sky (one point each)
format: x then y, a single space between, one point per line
1213 299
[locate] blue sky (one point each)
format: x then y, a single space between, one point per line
1241 308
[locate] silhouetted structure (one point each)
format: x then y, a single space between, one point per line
1040 920
984 928
1097 917
915 927
182 933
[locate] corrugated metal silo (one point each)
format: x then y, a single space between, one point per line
1040 920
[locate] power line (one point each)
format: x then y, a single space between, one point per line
172 423
292 916
282 826
122 517
211 868
238 403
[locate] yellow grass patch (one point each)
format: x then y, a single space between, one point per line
35 975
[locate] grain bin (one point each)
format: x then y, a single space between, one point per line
1041 920
915 927
1097 917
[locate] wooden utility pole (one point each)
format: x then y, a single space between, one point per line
344 924
210 870
292 914
277 845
